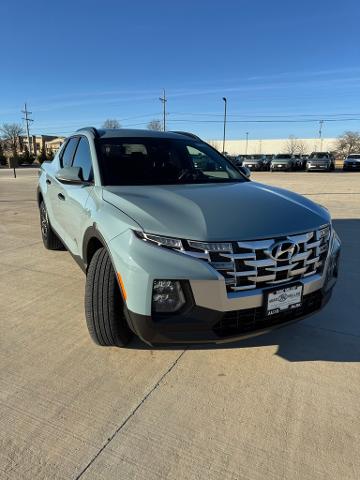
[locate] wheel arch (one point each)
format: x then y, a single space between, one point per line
93 240
39 196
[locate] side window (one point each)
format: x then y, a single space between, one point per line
68 153
83 159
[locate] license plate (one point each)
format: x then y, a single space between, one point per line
283 299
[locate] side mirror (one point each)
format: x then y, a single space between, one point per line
71 175
245 171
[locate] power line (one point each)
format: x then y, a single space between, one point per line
350 114
219 121
315 120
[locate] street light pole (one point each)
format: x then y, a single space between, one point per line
321 123
225 106
247 142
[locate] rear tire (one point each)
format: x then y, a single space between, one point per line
104 305
50 239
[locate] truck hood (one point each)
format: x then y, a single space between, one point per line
217 212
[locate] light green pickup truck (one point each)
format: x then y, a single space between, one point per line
177 244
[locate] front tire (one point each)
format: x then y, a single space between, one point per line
104 305
49 238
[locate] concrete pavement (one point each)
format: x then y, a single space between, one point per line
281 406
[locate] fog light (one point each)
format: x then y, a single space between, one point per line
168 296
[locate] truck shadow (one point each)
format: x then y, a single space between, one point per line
331 335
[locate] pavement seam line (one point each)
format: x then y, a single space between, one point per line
132 413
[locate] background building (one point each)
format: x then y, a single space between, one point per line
37 143
54 145
282 145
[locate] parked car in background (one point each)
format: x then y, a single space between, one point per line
267 160
239 160
300 161
321 161
232 158
284 162
256 162
352 162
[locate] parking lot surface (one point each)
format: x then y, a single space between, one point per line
281 406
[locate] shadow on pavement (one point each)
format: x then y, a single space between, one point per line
331 335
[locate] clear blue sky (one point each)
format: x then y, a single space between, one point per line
78 63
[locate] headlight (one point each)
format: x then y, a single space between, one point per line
178 244
211 247
324 233
160 240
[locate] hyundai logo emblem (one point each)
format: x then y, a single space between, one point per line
284 251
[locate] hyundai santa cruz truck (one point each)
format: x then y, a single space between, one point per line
177 244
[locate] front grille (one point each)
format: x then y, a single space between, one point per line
243 321
247 265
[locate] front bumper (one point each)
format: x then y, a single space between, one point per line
210 314
203 325
351 166
318 166
253 166
281 167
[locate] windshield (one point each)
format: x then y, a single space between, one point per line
319 155
283 156
354 155
160 161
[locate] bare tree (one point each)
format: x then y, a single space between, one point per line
295 146
11 132
348 142
155 125
301 147
2 155
111 123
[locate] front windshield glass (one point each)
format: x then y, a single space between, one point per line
159 161
354 156
283 156
319 155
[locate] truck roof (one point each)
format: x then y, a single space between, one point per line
127 132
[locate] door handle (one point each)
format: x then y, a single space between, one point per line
48 181
61 196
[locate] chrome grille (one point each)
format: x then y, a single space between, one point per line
247 265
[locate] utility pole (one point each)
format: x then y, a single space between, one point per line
27 120
225 106
163 100
321 123
247 142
